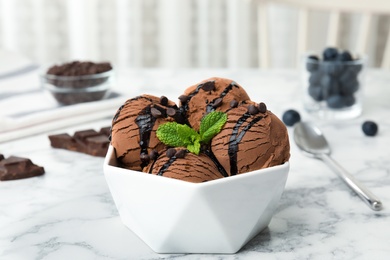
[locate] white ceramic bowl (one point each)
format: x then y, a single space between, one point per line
174 216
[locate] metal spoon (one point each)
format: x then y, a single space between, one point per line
312 142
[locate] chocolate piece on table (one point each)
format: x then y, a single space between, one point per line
106 131
86 141
63 141
97 145
13 168
82 136
81 139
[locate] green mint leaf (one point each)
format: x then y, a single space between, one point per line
168 134
177 135
194 147
211 125
187 134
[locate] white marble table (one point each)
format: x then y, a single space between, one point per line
68 213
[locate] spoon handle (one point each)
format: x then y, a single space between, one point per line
367 196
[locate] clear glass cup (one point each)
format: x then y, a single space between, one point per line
333 90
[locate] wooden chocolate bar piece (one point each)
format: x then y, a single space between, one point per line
86 141
13 168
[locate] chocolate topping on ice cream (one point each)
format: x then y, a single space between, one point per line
190 167
209 95
134 129
251 141
252 137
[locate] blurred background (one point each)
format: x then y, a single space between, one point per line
170 33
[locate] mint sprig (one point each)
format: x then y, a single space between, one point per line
211 125
180 135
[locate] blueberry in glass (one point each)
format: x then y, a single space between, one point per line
330 54
334 79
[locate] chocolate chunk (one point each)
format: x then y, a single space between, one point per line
97 145
144 158
262 107
106 131
217 103
84 134
171 112
153 154
208 86
86 141
1 157
155 112
233 103
63 141
14 168
171 152
164 100
181 153
180 118
81 139
183 99
253 110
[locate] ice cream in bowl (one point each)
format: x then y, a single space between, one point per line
201 176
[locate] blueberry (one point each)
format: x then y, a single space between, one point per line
333 68
335 101
347 76
349 100
330 86
349 87
354 67
370 128
349 83
345 56
330 54
312 63
315 92
315 77
290 117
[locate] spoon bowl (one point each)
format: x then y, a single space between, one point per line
312 142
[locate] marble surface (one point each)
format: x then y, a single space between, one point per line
68 213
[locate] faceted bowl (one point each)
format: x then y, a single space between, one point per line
175 216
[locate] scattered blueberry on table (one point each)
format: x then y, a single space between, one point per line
370 128
334 77
291 117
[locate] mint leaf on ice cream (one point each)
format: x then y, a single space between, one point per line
211 125
180 135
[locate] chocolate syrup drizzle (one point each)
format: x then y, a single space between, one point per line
206 152
165 166
184 107
210 106
117 113
211 155
145 122
235 139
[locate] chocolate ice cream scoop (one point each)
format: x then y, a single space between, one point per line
178 163
134 129
211 94
252 138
